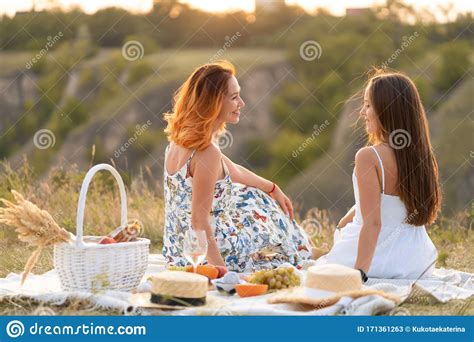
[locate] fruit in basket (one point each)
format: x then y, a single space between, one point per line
276 279
106 240
128 233
249 289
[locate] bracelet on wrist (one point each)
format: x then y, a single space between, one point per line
273 188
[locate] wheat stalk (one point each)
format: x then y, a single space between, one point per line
34 226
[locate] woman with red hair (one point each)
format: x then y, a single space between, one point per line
244 215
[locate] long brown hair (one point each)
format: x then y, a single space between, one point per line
197 104
403 124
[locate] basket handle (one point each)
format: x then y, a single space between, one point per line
83 194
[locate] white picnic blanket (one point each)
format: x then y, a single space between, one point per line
444 285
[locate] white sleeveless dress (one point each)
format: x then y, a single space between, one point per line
403 251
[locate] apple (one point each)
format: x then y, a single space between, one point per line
107 240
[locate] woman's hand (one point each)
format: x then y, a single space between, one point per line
347 218
344 221
317 252
283 201
214 257
240 174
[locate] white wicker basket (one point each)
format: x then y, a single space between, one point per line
94 267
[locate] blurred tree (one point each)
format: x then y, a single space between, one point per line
110 26
454 64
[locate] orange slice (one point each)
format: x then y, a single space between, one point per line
249 290
209 271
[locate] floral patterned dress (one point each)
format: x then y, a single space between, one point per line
250 228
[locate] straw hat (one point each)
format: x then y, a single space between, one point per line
176 290
325 285
143 300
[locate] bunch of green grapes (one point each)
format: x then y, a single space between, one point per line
276 279
177 268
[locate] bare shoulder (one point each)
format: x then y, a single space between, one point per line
365 157
210 157
210 153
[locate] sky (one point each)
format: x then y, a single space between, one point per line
337 7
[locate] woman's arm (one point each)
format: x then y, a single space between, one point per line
240 174
369 196
347 218
207 167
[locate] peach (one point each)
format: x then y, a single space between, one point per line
107 240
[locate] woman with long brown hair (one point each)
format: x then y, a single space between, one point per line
244 216
396 187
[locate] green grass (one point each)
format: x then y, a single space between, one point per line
58 194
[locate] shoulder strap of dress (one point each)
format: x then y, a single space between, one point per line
188 173
381 167
226 170
191 157
166 154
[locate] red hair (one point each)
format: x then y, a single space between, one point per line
197 105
